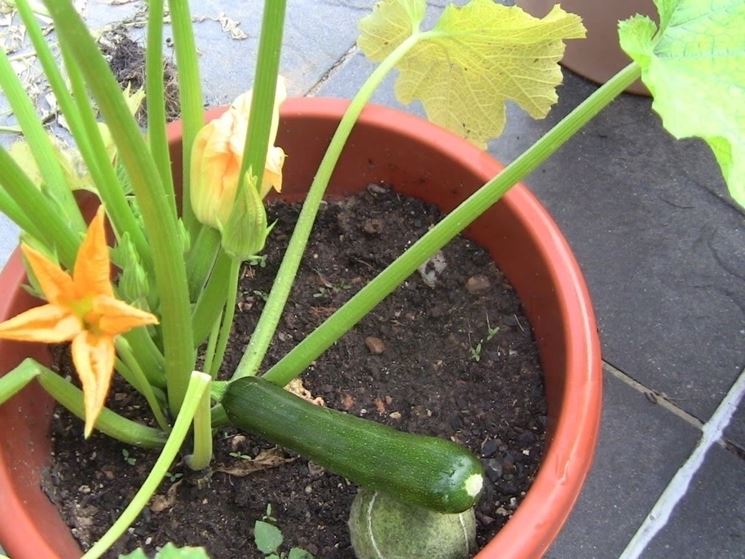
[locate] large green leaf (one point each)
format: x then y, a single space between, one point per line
475 58
694 65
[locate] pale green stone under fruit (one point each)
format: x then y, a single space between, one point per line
382 527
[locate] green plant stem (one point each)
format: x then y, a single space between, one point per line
201 259
227 317
219 417
18 216
198 385
132 377
209 354
51 70
30 200
265 86
14 381
102 171
155 99
138 379
42 149
267 325
200 458
109 423
160 226
368 297
94 154
190 94
148 355
212 299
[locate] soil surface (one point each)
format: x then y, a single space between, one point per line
455 359
127 61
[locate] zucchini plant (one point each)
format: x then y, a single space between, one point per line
182 255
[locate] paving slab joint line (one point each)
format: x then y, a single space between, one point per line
654 396
335 67
679 484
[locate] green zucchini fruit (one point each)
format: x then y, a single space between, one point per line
427 471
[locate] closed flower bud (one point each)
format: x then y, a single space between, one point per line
216 160
133 283
245 231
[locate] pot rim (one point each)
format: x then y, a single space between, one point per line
568 457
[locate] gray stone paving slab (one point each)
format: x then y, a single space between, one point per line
641 446
660 242
8 239
710 520
316 35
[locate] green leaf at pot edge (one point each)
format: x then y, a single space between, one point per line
694 65
475 59
170 551
298 553
267 536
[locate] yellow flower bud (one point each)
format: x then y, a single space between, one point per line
216 160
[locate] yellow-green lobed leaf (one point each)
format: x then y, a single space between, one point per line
389 25
475 59
695 68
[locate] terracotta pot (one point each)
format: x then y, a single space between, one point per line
598 57
420 160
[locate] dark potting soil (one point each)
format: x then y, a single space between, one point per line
455 360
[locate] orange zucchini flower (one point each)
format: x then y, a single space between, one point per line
216 160
81 308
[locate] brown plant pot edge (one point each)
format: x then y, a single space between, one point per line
597 57
419 160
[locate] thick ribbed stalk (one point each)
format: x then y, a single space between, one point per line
101 168
42 149
30 200
265 85
160 225
190 95
155 99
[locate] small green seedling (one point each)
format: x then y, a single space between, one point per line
475 351
263 295
128 458
268 539
174 476
258 260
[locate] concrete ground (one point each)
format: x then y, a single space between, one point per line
663 250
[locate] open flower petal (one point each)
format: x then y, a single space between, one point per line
92 264
275 159
115 317
56 285
93 357
81 308
49 324
216 160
